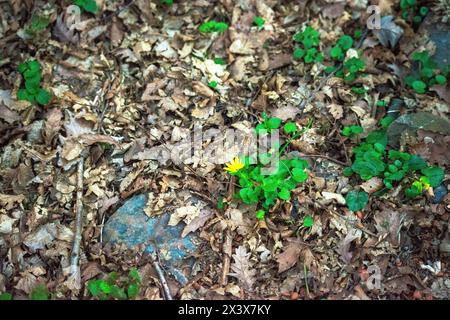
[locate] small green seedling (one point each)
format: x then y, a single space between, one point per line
5 296
220 203
213 84
259 21
429 74
33 92
116 287
167 2
264 188
352 131
268 124
308 221
359 90
351 69
40 292
356 200
357 34
411 11
213 26
344 43
309 41
381 103
219 60
87 5
37 25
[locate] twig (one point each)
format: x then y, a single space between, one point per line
227 249
162 279
75 255
5 137
305 272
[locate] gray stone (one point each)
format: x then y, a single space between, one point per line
130 225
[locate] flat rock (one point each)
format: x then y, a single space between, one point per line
129 225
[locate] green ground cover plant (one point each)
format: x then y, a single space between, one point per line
264 189
308 42
116 286
429 73
33 92
373 158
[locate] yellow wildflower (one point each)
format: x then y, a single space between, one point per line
234 166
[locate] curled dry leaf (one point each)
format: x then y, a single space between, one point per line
336 110
8 115
116 33
64 29
197 222
53 124
443 92
186 213
372 185
389 33
289 257
344 245
390 222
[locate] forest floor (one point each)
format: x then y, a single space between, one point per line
138 76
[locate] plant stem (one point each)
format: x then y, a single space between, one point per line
305 271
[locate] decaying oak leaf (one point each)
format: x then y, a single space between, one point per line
333 10
336 110
186 213
152 88
443 91
286 112
242 268
6 224
79 134
202 89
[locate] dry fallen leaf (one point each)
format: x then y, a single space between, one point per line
197 222
372 185
336 110
344 245
242 268
9 201
289 257
53 124
116 33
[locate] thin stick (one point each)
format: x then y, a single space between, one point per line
75 255
305 272
162 279
227 249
